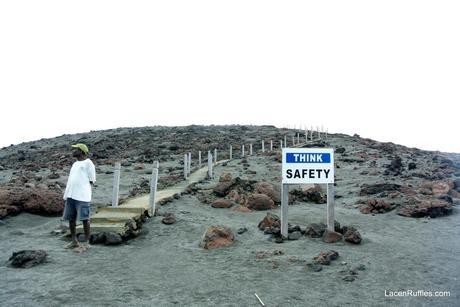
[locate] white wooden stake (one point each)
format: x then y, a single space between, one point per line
242 150
250 149
293 141
199 158
185 166
298 138
271 145
153 188
319 135
306 136
215 156
116 184
330 207
263 146
189 165
281 144
327 131
231 152
284 209
209 165
285 141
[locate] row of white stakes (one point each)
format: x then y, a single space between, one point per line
188 163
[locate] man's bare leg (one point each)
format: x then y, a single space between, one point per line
73 235
86 228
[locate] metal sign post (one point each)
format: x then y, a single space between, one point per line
307 166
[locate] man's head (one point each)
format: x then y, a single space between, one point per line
80 151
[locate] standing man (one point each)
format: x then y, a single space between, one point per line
77 195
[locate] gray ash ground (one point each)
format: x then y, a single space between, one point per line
166 267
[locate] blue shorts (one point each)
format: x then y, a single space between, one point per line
76 209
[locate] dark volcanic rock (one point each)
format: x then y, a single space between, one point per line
315 230
396 166
340 150
294 235
375 206
352 235
168 219
27 258
216 237
112 238
97 238
371 189
325 257
270 221
433 208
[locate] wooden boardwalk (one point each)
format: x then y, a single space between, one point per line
118 219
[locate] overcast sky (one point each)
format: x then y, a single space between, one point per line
388 70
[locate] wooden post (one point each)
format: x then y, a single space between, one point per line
330 207
153 188
263 146
284 209
306 136
319 135
285 141
298 138
242 151
116 184
250 149
293 141
215 156
231 153
189 165
327 130
199 158
185 166
281 144
271 145
209 165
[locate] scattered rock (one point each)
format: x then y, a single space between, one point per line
411 166
269 190
242 230
113 238
270 221
441 188
222 188
395 167
314 267
242 209
225 177
97 238
359 267
260 202
325 257
433 208
309 193
315 230
27 258
340 150
42 201
221 203
370 189
331 236
217 237
349 278
294 235
375 206
168 219
352 235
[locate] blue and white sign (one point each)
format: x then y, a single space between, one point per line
308 165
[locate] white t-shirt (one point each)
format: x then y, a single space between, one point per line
78 185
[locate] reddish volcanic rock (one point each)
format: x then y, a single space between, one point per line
221 203
260 202
217 237
269 190
40 201
431 208
375 206
270 221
